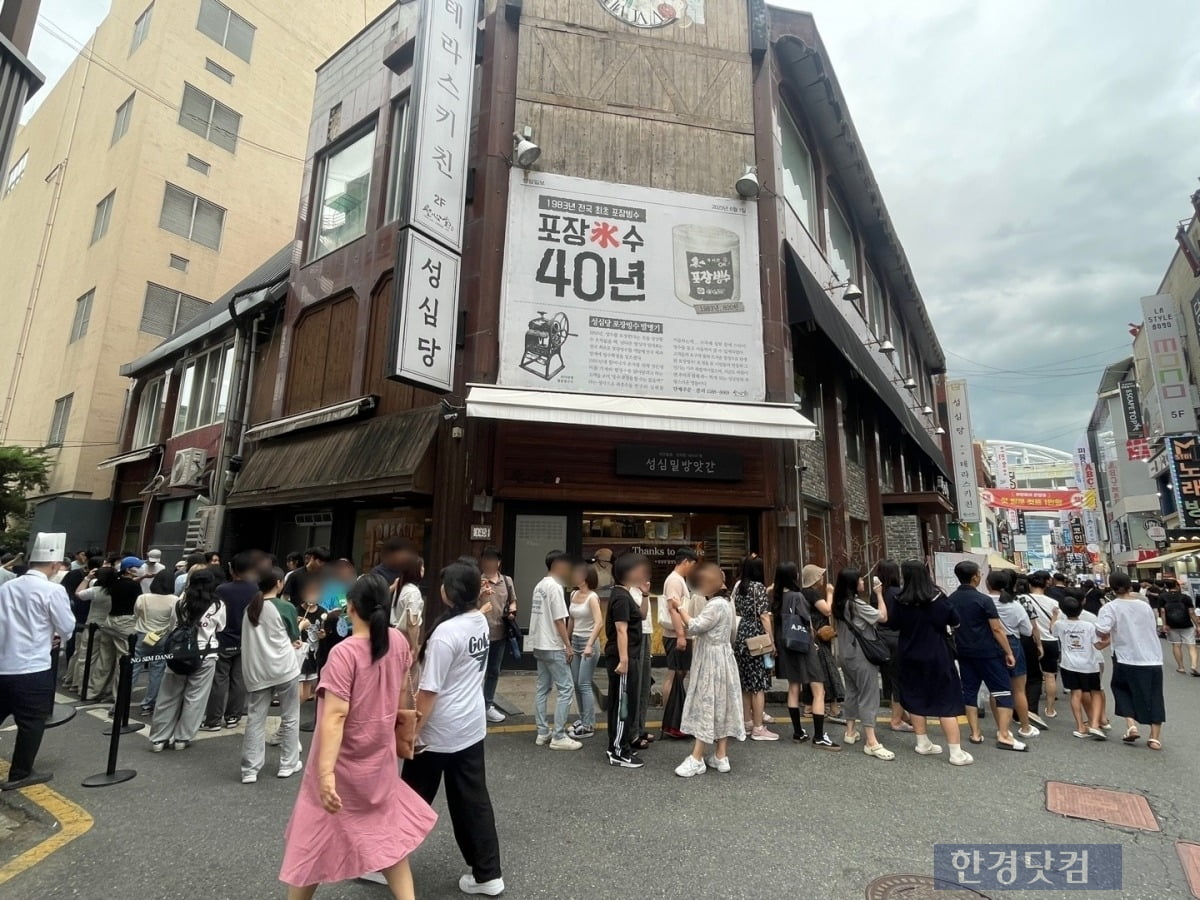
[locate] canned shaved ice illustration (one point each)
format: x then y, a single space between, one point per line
707 268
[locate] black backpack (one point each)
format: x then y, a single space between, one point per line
183 643
1175 610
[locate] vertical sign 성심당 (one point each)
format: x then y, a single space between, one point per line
962 450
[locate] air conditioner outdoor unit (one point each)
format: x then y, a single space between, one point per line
187 467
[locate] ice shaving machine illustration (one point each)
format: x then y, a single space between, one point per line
544 341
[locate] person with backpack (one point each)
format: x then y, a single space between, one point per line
500 607
270 638
192 644
1179 620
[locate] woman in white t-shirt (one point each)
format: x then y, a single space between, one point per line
182 698
452 726
408 604
586 624
1130 626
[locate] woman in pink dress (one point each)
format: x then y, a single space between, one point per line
354 814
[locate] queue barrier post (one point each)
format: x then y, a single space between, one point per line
121 709
61 713
111 774
92 628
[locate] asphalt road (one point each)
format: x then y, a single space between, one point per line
789 820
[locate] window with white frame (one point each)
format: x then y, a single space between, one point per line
192 217
166 310
59 420
204 389
15 173
396 179
799 179
103 215
83 316
876 305
226 27
141 28
121 124
842 255
343 192
209 118
150 411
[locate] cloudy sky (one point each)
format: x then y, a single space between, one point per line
1035 157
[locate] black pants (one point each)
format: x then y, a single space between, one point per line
29 699
467 796
1033 680
227 700
622 731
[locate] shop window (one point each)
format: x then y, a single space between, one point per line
724 539
343 194
131 534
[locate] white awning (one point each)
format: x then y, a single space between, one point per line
777 421
133 456
326 415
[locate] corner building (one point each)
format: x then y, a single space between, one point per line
645 358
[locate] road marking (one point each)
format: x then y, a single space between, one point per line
73 820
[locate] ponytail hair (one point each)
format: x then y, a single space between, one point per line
371 600
462 583
268 581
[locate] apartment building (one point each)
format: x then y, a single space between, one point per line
164 165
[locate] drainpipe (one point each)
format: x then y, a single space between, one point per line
237 406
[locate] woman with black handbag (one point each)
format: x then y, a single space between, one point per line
861 652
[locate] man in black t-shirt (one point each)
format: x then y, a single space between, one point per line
1177 617
227 699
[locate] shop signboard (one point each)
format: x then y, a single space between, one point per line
1172 385
962 450
663 462
656 13
427 322
1131 409
1184 453
1031 500
630 291
438 130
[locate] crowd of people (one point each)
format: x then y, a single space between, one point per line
221 643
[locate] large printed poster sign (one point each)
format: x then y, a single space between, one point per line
618 289
1184 453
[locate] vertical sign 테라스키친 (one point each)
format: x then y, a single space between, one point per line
962 450
440 121
1184 455
432 210
1172 385
428 321
631 291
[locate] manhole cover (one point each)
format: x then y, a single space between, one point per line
1100 805
917 887
1189 858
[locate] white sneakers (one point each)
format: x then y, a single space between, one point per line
961 758
690 767
543 740
468 885
495 716
563 743
285 772
721 764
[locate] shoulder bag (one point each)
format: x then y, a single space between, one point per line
760 645
407 718
873 649
797 635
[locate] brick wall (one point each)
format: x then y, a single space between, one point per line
902 537
812 455
856 490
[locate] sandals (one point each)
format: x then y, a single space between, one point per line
975 740
1131 736
1015 746
641 743
903 726
1154 744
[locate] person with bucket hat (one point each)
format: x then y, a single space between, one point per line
34 612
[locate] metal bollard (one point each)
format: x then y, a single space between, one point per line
111 774
121 709
61 713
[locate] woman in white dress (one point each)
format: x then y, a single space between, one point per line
712 713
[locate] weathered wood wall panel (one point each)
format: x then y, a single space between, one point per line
322 356
725 26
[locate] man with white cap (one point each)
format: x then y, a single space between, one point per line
150 568
33 611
